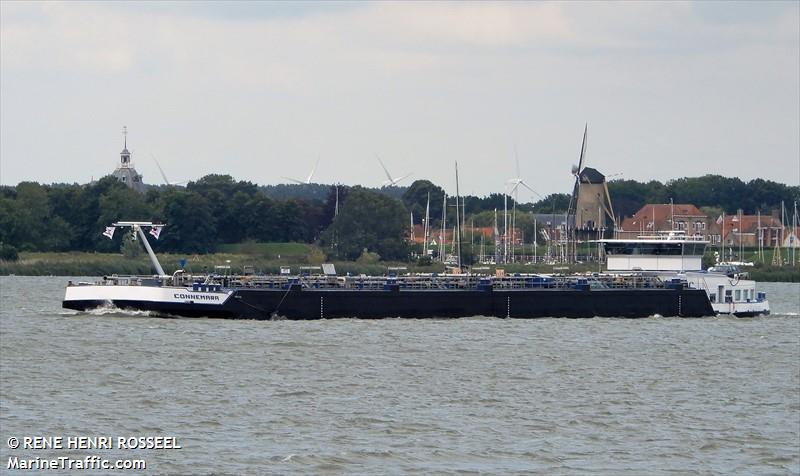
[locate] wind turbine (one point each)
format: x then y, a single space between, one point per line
392 181
163 175
307 180
515 182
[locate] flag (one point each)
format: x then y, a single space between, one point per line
109 232
156 230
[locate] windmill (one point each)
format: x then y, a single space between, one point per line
392 181
164 176
590 202
308 179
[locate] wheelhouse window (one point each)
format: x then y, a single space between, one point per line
655 248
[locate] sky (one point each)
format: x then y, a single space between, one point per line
261 90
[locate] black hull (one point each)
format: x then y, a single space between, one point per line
372 304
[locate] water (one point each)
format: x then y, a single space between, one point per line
480 395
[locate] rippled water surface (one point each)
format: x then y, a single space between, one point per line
479 395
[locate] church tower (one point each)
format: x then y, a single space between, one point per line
125 172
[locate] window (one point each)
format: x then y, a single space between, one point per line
681 225
738 295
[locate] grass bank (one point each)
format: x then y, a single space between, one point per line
270 257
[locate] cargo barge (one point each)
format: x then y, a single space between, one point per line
627 293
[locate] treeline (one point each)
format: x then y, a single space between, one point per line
213 210
710 191
218 209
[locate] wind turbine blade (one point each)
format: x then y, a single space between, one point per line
395 182
294 180
391 180
312 171
529 188
163 175
583 148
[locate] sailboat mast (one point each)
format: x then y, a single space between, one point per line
794 234
505 224
458 227
442 240
426 230
412 226
496 233
722 241
760 238
741 249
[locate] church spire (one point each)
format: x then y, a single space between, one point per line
125 156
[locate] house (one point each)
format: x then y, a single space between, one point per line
435 233
791 237
551 226
665 217
748 230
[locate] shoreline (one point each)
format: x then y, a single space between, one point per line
66 264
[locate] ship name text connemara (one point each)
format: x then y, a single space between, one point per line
198 297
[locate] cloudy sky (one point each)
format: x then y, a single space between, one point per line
261 90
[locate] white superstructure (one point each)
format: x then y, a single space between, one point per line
677 255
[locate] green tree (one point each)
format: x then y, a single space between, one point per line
553 203
226 199
370 220
415 199
190 225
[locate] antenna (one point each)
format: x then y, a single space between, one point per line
124 137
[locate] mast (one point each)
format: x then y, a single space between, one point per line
672 215
794 233
426 229
741 249
505 224
442 247
783 227
458 227
336 207
722 241
496 236
760 238
136 226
